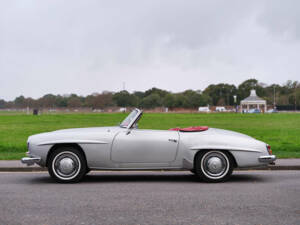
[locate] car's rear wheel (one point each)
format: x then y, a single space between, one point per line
214 165
67 164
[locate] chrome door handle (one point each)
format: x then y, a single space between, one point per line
173 140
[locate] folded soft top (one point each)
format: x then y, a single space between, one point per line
190 129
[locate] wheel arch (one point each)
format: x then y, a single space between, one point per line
235 165
56 146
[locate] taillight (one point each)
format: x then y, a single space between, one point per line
269 149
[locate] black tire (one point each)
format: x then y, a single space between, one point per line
214 166
67 165
193 171
87 170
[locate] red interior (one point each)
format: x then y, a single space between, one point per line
190 129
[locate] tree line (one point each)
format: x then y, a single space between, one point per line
221 94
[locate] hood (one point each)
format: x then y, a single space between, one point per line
87 130
78 135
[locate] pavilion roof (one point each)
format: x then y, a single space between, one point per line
253 98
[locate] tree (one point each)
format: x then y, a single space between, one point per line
124 98
287 94
180 101
269 93
205 100
2 104
99 100
20 102
61 101
192 99
74 101
139 96
151 101
221 93
160 92
47 100
169 100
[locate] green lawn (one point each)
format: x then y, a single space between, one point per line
281 131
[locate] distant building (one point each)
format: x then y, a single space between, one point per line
253 101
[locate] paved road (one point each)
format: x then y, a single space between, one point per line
250 197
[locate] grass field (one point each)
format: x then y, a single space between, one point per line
281 131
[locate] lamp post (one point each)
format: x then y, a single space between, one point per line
295 99
274 96
234 100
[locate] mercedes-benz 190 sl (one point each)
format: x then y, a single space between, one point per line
210 153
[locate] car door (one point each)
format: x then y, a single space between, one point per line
145 146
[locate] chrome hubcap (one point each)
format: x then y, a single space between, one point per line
215 164
66 165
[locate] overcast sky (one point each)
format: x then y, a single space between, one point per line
90 46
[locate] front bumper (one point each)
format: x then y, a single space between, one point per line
267 158
30 160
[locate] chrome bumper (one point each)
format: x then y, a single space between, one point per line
267 158
30 160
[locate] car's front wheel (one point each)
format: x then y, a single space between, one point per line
214 166
67 164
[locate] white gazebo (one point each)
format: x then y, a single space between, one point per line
253 100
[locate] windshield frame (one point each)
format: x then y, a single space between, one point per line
134 120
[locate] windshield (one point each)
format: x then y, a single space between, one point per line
129 118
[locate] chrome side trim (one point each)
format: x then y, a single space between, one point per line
224 148
267 158
72 141
30 160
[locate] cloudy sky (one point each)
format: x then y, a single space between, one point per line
90 46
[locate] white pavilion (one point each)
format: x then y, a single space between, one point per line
253 101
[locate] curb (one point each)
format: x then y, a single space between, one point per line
280 168
295 167
22 169
40 169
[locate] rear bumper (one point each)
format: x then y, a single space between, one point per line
267 158
30 160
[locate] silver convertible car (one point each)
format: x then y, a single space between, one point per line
210 153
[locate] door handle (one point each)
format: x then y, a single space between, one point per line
128 132
173 140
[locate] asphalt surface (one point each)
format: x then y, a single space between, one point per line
250 197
